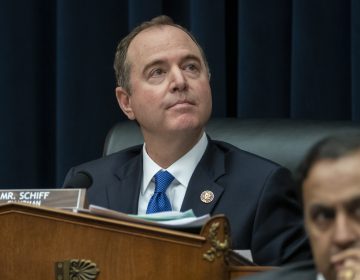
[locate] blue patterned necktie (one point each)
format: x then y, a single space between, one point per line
159 202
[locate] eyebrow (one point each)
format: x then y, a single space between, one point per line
163 61
316 208
153 63
191 57
353 203
349 205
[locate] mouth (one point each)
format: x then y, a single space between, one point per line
181 104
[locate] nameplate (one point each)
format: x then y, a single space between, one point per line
58 198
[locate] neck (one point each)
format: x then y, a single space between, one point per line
165 150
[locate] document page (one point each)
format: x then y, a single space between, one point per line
170 219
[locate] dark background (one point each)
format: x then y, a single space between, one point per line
269 59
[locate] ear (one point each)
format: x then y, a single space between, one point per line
124 100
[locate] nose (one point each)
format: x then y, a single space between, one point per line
178 80
344 235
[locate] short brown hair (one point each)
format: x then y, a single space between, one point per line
121 65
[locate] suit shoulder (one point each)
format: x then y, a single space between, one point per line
116 159
231 150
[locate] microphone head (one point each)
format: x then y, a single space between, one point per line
81 180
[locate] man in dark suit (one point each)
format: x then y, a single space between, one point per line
163 85
330 180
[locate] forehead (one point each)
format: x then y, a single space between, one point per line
333 181
159 40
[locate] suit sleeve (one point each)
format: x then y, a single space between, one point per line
278 233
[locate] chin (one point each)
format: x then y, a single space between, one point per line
327 271
186 127
330 275
185 123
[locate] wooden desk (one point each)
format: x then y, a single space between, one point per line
33 239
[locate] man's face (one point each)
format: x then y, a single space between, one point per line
331 196
170 91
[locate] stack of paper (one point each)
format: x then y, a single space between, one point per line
170 219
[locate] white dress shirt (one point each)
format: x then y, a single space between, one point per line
182 171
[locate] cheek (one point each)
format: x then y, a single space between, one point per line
320 245
357 229
205 95
140 106
321 254
143 96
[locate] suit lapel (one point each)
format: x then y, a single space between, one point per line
209 169
123 192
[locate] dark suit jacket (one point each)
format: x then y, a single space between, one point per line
256 195
298 271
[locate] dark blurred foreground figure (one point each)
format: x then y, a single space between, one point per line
163 84
330 180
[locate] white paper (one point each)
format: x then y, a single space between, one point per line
166 215
171 219
245 253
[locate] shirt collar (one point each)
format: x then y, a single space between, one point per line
182 169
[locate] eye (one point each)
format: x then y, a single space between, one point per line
357 212
322 216
354 209
191 67
156 72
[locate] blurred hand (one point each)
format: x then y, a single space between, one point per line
347 263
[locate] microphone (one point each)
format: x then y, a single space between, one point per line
81 180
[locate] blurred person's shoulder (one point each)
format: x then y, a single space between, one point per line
296 271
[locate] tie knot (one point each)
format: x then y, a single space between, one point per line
162 180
